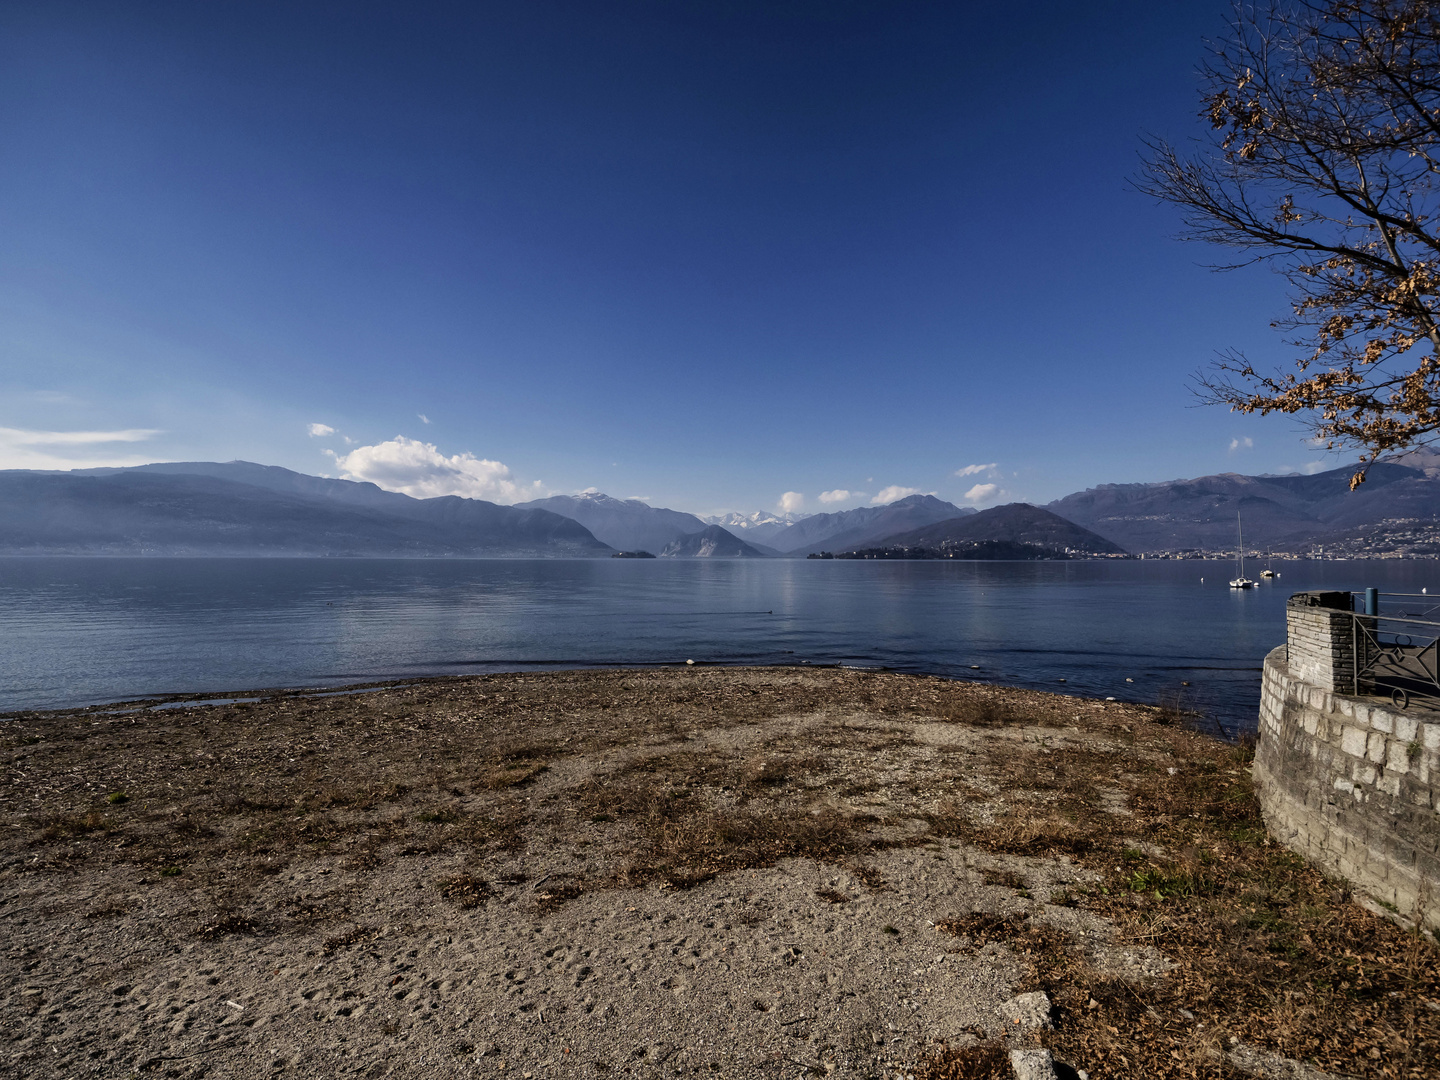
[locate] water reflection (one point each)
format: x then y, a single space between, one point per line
77 631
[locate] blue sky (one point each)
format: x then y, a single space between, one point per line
701 253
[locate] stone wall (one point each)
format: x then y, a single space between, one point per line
1350 783
1321 637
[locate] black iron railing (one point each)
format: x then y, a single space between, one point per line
1397 653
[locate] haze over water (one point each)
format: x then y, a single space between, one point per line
83 631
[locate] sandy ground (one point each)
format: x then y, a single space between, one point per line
713 872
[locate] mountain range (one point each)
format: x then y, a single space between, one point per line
864 526
245 509
757 526
627 524
241 508
1281 512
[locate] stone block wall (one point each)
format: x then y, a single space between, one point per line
1321 635
1351 784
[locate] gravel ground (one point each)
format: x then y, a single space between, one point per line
708 871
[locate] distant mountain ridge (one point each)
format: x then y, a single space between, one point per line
240 508
1277 511
864 525
627 524
757 526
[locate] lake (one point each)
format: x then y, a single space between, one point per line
86 631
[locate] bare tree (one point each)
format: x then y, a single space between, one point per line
1325 163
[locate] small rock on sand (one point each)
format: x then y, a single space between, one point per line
1033 1065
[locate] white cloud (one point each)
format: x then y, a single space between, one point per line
894 492
420 469
20 436
423 418
840 495
981 492
24 449
791 501
319 431
974 470
1245 443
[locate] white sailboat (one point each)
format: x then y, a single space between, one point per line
1240 581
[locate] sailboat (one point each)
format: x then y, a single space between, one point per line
1241 581
1270 571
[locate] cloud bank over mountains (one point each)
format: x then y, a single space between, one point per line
981 492
420 470
894 493
25 449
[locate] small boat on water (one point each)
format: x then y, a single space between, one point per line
1240 581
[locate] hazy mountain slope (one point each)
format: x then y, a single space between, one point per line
627 524
848 528
275 478
153 512
869 524
1276 510
1412 496
712 542
1015 523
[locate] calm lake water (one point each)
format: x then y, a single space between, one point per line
85 631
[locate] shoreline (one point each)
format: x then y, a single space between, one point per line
725 871
157 702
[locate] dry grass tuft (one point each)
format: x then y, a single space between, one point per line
65 827
763 772
354 936
986 1062
226 923
466 890
558 895
982 927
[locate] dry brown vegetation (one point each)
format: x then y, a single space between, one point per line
667 780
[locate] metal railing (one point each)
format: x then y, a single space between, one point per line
1396 653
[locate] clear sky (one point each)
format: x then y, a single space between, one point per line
703 253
